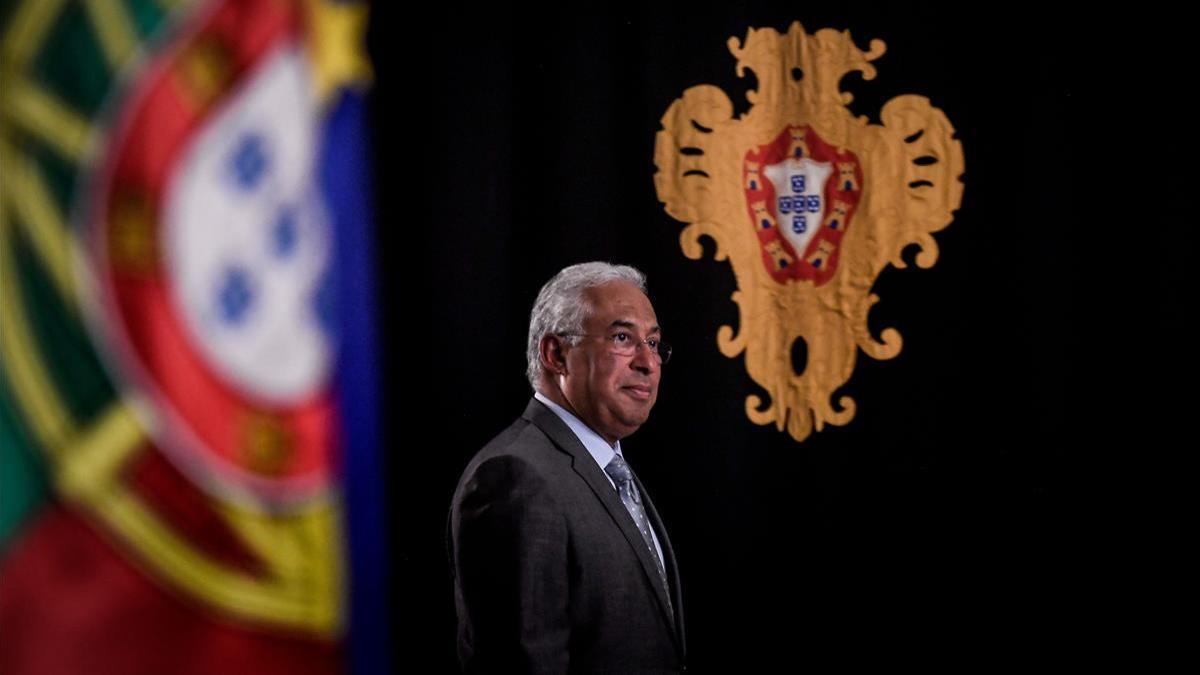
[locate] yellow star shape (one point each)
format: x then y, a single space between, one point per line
337 34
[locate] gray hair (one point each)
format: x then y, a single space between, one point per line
562 307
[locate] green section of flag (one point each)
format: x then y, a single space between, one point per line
63 345
71 66
146 16
71 63
22 473
7 7
58 174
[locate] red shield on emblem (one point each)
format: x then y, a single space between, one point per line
801 194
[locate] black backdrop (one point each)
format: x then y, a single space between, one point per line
953 509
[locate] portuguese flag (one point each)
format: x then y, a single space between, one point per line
185 309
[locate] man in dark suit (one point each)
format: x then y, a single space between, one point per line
561 563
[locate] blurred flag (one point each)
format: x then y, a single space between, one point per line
188 420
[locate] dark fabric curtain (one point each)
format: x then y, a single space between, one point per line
513 143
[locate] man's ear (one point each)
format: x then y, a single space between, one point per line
550 349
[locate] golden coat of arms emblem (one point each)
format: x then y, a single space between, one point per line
809 203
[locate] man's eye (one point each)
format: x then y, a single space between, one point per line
620 337
652 343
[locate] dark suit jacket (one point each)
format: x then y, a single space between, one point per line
550 573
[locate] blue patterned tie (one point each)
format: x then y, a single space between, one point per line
622 475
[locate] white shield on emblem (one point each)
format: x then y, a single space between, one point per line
799 198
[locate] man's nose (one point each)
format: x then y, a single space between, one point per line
645 359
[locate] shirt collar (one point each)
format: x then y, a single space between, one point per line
596 446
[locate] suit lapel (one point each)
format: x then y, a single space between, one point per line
668 562
587 469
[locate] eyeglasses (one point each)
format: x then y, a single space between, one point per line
625 344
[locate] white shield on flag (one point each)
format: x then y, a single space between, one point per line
247 238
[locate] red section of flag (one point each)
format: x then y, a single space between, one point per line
188 512
70 604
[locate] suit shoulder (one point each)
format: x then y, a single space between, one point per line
524 442
515 481
521 454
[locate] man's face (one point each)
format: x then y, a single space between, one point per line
613 394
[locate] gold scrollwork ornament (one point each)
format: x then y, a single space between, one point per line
809 204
